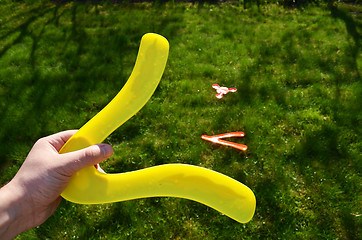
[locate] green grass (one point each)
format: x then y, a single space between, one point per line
298 101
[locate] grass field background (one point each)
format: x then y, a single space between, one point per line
297 72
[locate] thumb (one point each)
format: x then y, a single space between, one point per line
75 161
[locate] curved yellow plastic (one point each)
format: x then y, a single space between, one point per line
90 186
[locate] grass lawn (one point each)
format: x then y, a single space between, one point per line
297 72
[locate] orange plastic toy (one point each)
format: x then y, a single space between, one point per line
217 139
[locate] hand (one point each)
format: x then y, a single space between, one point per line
33 194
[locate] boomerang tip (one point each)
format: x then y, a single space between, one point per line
154 36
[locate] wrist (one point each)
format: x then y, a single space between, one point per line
12 221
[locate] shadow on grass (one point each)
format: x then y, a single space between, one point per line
326 149
328 156
22 29
12 132
91 65
270 204
43 94
323 144
91 62
352 28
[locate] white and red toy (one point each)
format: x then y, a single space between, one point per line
222 90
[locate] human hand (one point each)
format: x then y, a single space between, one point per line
33 194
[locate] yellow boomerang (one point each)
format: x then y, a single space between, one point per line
90 186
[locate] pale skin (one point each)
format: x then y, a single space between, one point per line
33 195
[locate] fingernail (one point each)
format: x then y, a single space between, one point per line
107 150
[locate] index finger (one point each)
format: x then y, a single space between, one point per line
57 140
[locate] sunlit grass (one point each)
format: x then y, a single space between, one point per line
298 101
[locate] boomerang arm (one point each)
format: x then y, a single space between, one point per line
228 135
143 81
232 144
205 186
